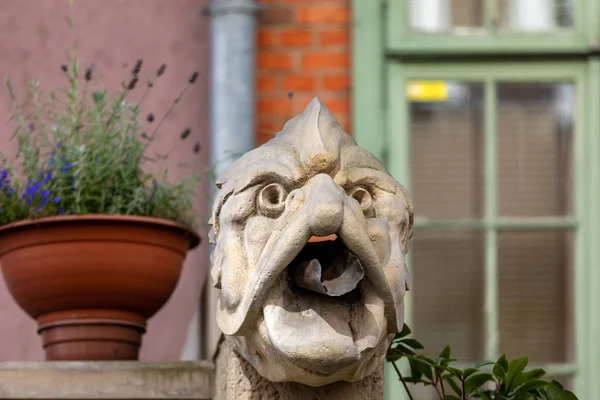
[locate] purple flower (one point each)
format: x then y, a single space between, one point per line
197 148
4 181
59 145
45 194
66 167
56 200
61 210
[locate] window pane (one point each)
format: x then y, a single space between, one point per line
535 276
448 292
436 16
536 15
535 137
447 150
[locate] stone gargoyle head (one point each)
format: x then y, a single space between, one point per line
311 234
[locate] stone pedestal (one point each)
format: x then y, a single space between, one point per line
236 379
102 380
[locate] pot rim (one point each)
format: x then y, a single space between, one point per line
193 237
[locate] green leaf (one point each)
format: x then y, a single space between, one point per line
568 395
444 362
554 393
425 368
426 359
445 353
454 371
415 371
404 332
529 386
499 371
557 384
483 364
535 373
502 361
454 385
404 350
451 397
468 372
515 369
411 379
415 344
476 381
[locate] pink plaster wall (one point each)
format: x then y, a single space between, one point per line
34 39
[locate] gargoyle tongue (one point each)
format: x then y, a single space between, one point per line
336 279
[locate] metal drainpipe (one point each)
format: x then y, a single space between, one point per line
233 48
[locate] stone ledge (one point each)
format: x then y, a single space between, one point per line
106 380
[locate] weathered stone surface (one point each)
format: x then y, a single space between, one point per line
106 380
236 379
311 234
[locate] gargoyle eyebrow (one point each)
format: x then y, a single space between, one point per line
269 170
367 176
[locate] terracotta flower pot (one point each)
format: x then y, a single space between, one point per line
92 281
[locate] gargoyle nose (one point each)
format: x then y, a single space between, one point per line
324 204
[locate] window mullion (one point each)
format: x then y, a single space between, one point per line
491 213
490 16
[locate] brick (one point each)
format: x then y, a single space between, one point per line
323 14
278 106
299 83
335 37
274 15
266 83
274 61
325 60
336 82
267 37
296 37
339 107
265 131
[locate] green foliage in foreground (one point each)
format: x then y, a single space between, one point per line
488 380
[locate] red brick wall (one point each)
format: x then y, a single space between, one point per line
303 52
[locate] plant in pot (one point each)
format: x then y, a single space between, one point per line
91 245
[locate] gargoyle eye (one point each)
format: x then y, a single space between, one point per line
271 200
364 198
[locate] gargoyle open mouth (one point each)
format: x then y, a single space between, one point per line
327 267
324 300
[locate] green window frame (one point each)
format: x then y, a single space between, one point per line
579 39
386 56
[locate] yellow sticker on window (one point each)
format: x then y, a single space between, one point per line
427 91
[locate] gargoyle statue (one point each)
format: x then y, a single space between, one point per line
311 234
